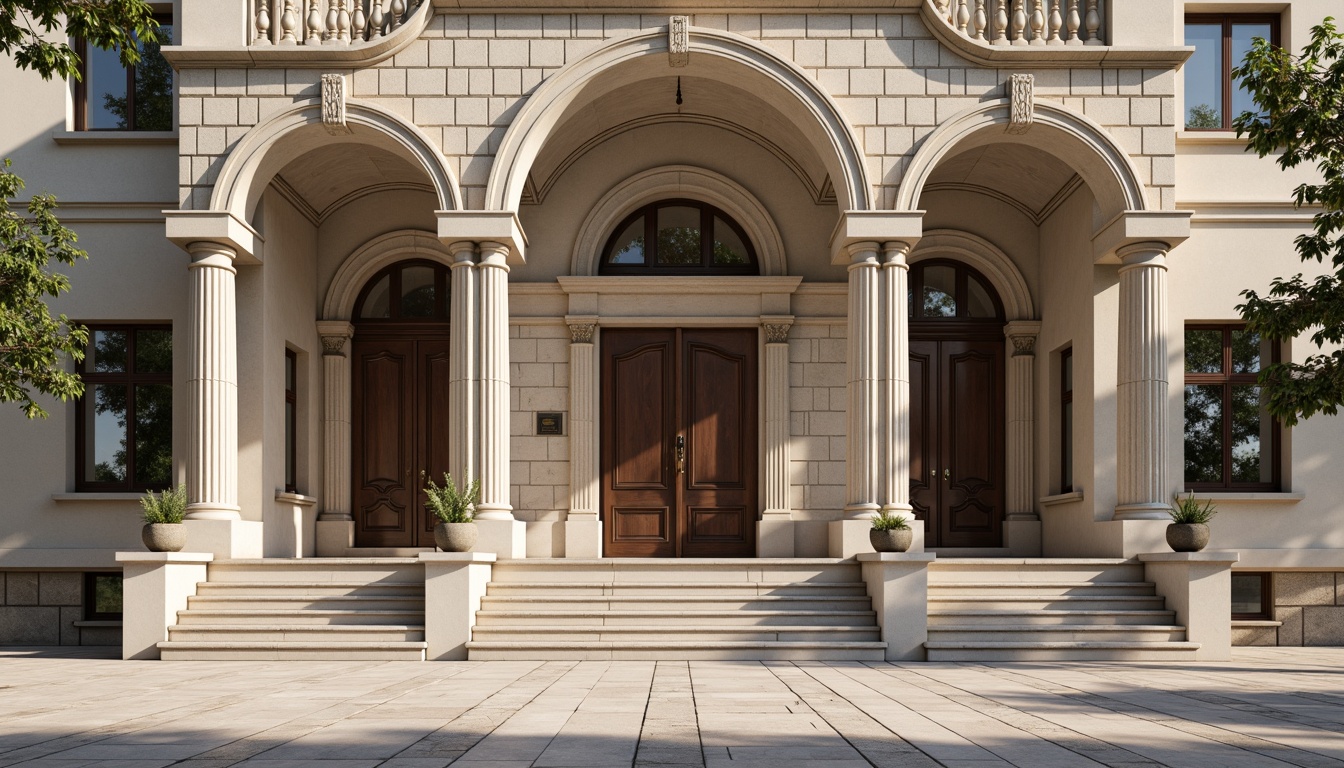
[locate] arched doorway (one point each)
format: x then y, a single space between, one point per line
399 429
956 404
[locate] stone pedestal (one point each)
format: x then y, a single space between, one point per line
774 537
898 583
334 537
505 539
156 587
454 585
225 539
1022 537
583 536
1198 587
849 538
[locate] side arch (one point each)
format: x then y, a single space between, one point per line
368 259
988 260
271 144
818 116
1073 138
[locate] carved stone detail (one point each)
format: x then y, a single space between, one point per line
582 333
1023 345
1021 89
333 104
777 333
678 41
333 345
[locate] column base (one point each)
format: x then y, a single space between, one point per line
157 585
1153 510
454 585
774 538
334 537
849 538
225 539
1022 537
505 539
583 536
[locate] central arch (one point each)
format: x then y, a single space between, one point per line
811 110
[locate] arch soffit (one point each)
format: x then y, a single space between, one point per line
678 181
541 113
373 256
263 152
988 260
1086 147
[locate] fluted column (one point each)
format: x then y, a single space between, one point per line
863 364
1020 439
895 411
493 427
583 485
1141 387
212 474
462 396
335 421
777 455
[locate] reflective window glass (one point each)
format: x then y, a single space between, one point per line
1247 351
1204 76
940 292
1204 433
105 84
153 351
1242 35
1248 594
1251 433
728 247
417 292
979 304
628 247
153 435
678 235
1203 350
687 237
378 301
105 433
107 351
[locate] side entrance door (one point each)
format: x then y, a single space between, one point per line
956 440
399 437
679 447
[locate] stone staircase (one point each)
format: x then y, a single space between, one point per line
328 608
1000 609
676 609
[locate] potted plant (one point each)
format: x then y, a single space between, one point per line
891 533
164 531
455 532
1189 529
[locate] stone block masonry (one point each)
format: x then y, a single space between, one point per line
46 608
539 464
1310 606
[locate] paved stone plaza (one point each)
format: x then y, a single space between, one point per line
1268 707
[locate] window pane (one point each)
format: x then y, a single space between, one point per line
105 433
1204 433
1242 35
378 301
417 292
979 304
153 351
154 435
1251 430
678 235
105 84
154 86
106 597
1247 593
940 297
289 446
1248 350
1066 446
728 247
1204 76
628 248
106 352
289 373
1204 351
1068 372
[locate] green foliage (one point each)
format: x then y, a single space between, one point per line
32 342
889 522
450 504
105 24
1301 103
1203 116
167 507
1188 511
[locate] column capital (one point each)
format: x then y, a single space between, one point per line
777 328
210 254
1166 229
463 251
863 253
494 255
581 330
1022 334
500 227
1146 254
896 253
334 334
874 227
220 229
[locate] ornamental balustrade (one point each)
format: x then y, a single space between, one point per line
1025 22
327 22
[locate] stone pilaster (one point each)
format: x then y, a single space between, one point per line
335 421
462 390
1020 439
583 528
863 365
895 386
212 471
493 435
1141 388
777 417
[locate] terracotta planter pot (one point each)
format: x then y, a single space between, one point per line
891 541
1187 537
455 537
164 537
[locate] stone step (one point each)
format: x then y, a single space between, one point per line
289 616
673 651
307 602
1025 633
671 602
675 618
383 633
392 588
1013 570
1046 602
647 570
1049 617
1084 588
657 633
695 589
328 569
986 651
173 650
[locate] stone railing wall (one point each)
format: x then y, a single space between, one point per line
1025 22
327 22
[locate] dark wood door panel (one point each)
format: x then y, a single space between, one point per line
434 358
924 463
383 442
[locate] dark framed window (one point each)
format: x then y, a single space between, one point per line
1252 595
949 290
408 291
112 97
1212 100
1066 421
124 421
678 237
1231 441
291 421
102 596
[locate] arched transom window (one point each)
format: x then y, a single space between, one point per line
408 291
678 237
948 290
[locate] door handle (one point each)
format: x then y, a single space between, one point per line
947 474
681 455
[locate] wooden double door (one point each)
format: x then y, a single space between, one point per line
956 439
679 442
399 436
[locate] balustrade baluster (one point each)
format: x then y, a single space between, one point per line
1074 23
963 17
329 32
342 23
398 14
288 21
376 20
263 23
359 23
1037 23
980 20
1019 23
1000 22
1056 23
1093 23
944 9
312 25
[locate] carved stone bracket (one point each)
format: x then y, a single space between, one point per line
333 104
678 41
582 333
1021 89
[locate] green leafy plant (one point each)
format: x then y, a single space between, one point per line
889 522
1188 511
167 507
450 504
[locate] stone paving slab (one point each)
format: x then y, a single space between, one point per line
78 708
